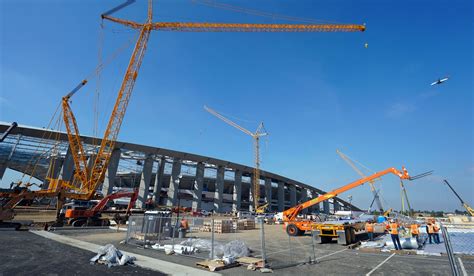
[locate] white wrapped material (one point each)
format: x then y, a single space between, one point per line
178 249
201 244
111 256
406 243
236 249
230 251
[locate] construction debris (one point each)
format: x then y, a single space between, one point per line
215 265
111 256
251 262
266 270
178 249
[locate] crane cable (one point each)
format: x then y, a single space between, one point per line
100 44
233 8
32 163
101 65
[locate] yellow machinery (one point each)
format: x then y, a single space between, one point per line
296 227
343 232
404 198
464 204
91 177
256 141
261 209
387 212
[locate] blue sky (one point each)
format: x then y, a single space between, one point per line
315 92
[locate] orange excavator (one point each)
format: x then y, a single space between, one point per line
91 217
296 227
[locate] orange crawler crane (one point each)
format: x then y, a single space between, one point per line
89 178
297 227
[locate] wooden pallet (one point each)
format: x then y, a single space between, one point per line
215 265
250 260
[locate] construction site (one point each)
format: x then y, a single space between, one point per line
211 196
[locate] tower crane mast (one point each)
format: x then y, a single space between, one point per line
260 132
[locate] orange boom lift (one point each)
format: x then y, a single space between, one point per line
297 227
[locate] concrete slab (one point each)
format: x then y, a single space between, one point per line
142 261
24 253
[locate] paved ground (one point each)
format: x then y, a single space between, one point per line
24 253
283 253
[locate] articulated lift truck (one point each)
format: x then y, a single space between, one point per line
326 232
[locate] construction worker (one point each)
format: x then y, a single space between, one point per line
393 229
415 230
436 233
369 228
149 203
184 224
430 231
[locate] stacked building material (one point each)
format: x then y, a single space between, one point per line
249 224
239 224
220 226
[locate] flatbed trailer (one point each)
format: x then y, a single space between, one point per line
344 232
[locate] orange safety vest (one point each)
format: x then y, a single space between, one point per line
369 227
184 224
414 229
394 228
430 229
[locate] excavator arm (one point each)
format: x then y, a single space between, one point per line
101 205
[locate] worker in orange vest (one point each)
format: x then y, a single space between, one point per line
393 229
435 233
184 224
369 228
415 230
430 231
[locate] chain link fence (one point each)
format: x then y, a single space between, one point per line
459 240
264 243
199 237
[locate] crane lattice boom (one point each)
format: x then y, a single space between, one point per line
256 136
241 27
92 177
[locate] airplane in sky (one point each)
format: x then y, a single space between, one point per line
439 81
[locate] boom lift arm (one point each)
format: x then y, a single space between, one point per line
102 203
371 182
